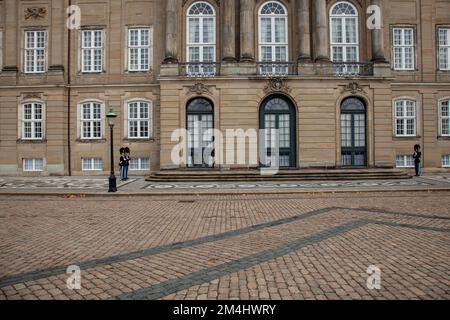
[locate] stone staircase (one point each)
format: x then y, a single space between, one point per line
284 175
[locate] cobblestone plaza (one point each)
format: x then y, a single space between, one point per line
298 246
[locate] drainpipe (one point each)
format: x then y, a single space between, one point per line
69 151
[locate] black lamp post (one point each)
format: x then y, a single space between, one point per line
112 178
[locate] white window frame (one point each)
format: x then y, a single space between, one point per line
91 49
139 119
446 158
91 164
344 44
1 50
201 45
139 164
443 46
34 167
405 162
273 44
140 48
443 118
405 117
34 50
403 47
33 121
91 120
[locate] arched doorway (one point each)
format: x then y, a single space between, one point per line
353 133
278 112
200 122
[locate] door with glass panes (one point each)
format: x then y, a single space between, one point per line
353 133
200 139
278 113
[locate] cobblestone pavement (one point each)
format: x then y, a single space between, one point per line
227 247
139 185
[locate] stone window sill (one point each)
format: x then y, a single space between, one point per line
91 140
31 141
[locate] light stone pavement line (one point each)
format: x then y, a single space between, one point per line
39 274
169 287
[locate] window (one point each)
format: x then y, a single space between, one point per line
201 39
403 46
92 51
444 48
446 161
33 165
139 120
273 37
91 120
32 121
444 115
405 161
140 164
139 49
1 50
35 51
405 118
344 36
92 164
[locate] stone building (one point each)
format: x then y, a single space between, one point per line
342 90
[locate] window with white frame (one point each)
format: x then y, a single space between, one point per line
446 161
92 51
1 50
140 164
201 37
35 52
139 49
444 115
139 113
91 120
32 165
32 121
92 164
405 118
403 48
344 33
444 48
273 37
405 161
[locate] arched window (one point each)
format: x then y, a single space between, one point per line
344 33
405 118
273 35
201 37
32 121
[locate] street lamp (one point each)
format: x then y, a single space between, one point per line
112 178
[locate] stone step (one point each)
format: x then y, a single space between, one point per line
294 175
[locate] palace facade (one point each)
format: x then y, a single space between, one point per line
344 88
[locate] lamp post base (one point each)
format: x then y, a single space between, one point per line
112 183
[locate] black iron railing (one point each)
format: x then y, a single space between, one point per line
270 69
199 69
353 69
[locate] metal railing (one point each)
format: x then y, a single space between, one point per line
353 69
274 69
199 69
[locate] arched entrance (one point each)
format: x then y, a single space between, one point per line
353 133
278 112
200 122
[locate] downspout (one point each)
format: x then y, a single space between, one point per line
69 151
